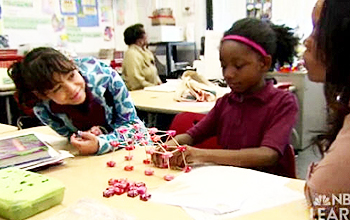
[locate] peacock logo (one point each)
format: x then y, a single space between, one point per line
322 200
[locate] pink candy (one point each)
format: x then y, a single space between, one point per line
130 141
130 147
114 144
136 126
171 133
112 181
145 197
143 142
181 148
146 161
187 169
149 172
111 163
129 168
141 190
155 138
133 193
150 151
165 146
121 186
167 155
122 130
108 193
168 177
119 191
152 130
128 157
139 136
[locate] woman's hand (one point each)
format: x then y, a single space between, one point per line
86 143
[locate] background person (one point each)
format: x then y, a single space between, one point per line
138 68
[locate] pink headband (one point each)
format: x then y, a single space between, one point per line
246 41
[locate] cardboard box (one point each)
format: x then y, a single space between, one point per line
163 21
165 33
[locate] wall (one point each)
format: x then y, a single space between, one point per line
294 13
127 12
226 12
58 23
138 11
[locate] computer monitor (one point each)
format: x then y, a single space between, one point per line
172 58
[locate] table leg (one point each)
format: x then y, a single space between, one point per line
151 119
8 110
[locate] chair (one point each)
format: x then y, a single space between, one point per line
287 163
185 120
27 118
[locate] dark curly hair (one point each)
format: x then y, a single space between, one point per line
277 40
133 33
35 73
333 46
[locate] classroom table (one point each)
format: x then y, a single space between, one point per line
160 99
87 177
163 102
4 128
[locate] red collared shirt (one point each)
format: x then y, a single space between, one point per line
264 118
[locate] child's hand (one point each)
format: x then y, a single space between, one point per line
95 130
87 143
175 161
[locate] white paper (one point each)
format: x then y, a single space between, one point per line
220 192
90 209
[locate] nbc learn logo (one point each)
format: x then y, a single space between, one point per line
322 200
333 207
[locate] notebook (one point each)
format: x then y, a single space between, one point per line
22 149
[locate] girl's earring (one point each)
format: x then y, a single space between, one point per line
343 96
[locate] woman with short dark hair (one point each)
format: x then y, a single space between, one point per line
139 68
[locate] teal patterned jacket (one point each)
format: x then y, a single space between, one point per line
99 78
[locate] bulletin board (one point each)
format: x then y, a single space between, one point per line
86 26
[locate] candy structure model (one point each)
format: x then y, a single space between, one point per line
152 142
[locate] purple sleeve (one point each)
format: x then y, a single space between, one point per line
278 131
206 127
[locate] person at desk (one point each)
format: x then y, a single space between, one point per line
253 122
70 96
138 67
326 59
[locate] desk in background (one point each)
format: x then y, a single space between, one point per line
87 176
163 102
160 99
7 89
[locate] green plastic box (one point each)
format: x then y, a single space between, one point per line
24 193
